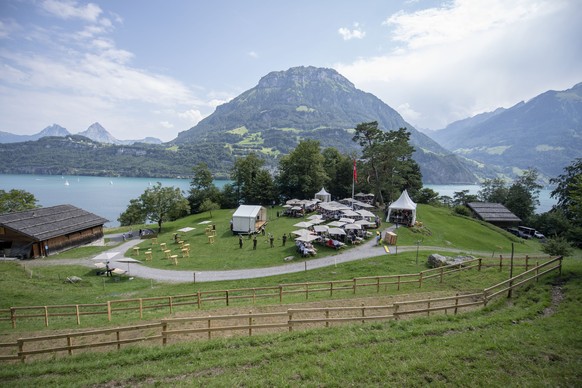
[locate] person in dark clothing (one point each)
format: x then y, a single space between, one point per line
108 270
271 240
255 243
240 241
284 239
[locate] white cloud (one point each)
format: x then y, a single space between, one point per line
193 116
253 54
467 57
354 33
166 124
69 9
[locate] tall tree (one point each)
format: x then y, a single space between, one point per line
368 136
522 196
160 204
202 187
244 174
301 172
387 159
493 190
339 169
16 201
133 215
567 191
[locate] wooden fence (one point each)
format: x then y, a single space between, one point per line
200 298
191 328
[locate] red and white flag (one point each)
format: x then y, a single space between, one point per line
355 172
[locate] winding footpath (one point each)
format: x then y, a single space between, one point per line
116 255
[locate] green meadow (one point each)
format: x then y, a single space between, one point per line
528 340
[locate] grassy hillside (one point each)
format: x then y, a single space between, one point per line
527 341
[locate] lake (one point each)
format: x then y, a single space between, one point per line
109 197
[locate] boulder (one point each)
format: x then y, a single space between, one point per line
435 260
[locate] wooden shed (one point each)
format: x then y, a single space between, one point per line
494 213
47 230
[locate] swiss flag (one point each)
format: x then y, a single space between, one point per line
355 172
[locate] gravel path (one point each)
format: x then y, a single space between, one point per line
366 250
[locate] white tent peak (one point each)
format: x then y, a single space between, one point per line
402 211
323 195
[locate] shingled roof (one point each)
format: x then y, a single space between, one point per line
48 222
493 212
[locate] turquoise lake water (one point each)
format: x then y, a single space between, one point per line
109 197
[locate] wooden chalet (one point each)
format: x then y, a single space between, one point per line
494 213
47 230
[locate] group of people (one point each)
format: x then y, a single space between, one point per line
270 238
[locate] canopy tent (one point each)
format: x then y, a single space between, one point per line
402 211
248 219
323 195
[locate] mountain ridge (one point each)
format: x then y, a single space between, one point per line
314 103
95 132
544 132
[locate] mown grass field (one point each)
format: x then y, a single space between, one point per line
526 341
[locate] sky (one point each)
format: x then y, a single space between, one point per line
158 67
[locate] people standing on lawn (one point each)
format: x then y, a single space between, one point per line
240 241
254 243
284 239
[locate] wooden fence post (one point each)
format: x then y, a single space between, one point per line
109 310
46 316
396 315
21 351
199 299
280 294
306 291
456 303
326 318
428 307
250 323
140 308
420 280
354 286
70 345
398 284
118 337
77 313
331 288
209 325
526 262
254 296
227 298
13 317
289 322
441 280
164 333
363 313
500 262
378 284
479 268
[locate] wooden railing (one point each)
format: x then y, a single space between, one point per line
192 328
200 298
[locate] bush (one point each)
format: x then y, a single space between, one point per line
557 246
462 210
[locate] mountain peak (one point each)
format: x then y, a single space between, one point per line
96 132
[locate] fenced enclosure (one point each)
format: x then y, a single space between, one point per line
196 328
275 293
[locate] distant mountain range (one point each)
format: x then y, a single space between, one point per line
544 132
95 132
314 103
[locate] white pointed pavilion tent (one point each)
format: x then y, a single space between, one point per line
403 205
323 195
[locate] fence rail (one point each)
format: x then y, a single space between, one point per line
187 328
200 298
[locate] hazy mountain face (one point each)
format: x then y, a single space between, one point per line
545 133
313 103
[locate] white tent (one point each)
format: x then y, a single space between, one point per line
248 218
323 195
402 211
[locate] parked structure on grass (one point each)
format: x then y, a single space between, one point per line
248 219
494 213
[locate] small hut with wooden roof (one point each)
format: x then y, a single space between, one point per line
494 213
47 230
